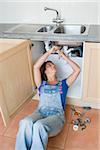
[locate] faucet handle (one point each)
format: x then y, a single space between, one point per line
58 20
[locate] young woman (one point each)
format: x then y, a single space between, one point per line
48 119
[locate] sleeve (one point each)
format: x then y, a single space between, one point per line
64 81
42 83
65 90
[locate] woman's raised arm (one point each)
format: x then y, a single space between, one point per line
38 64
75 67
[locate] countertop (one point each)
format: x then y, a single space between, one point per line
5 32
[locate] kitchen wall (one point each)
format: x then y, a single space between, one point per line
99 13
24 11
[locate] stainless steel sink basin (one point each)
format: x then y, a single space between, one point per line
46 28
72 29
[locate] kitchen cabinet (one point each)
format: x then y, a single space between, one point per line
16 78
91 74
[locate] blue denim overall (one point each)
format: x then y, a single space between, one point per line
46 121
50 100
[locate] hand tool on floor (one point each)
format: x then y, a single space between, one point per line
79 121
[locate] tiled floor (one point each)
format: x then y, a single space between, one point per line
88 139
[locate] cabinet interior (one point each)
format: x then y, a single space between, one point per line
63 68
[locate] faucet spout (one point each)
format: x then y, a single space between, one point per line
57 20
46 8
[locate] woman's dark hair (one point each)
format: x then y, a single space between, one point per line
42 70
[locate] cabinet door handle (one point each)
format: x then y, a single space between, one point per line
31 45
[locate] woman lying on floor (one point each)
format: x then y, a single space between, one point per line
48 119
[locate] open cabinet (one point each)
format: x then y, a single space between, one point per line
16 79
75 52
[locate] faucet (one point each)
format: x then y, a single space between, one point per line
56 20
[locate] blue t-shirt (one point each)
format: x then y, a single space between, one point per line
63 91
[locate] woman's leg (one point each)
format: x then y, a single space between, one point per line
45 128
25 133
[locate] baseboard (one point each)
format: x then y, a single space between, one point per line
81 103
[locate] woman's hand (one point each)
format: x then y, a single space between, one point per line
54 49
61 53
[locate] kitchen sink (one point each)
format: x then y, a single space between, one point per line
62 29
72 29
45 28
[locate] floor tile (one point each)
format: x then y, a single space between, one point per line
94 115
68 139
68 113
13 126
29 107
86 139
68 148
7 143
59 140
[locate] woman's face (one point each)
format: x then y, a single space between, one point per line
50 68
